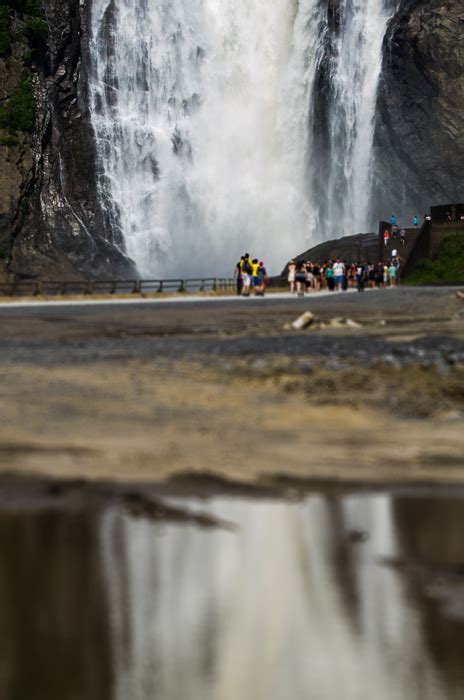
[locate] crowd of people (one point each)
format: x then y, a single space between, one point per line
307 276
250 274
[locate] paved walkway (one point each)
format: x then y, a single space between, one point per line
178 298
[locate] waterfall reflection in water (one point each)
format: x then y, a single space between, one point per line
284 607
296 601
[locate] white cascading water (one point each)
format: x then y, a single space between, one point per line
210 136
354 73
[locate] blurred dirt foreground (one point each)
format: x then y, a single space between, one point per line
142 393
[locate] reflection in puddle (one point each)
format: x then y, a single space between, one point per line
347 597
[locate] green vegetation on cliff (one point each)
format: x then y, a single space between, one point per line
36 31
22 25
31 8
18 113
31 25
27 7
5 30
448 268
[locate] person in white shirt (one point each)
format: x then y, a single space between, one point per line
339 273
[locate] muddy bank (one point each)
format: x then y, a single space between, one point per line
141 394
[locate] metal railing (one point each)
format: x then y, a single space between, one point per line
104 287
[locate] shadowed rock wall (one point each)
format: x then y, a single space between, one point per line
52 217
419 137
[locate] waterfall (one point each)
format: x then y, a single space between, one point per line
342 162
230 126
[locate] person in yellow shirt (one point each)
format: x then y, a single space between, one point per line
255 281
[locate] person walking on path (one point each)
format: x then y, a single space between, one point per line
300 279
309 276
339 272
291 275
238 276
330 277
385 276
371 276
415 221
386 237
360 277
403 236
245 265
392 272
346 271
392 220
255 275
366 268
262 275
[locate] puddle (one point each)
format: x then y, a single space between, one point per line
334 597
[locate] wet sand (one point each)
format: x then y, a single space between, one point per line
140 394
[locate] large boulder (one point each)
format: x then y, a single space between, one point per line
361 246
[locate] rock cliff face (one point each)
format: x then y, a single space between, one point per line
51 221
15 148
420 126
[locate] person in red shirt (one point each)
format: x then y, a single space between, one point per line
386 237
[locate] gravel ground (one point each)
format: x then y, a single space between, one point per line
403 322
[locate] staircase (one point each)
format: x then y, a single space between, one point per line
423 242
406 252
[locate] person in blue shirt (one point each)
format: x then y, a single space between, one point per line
392 220
415 221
